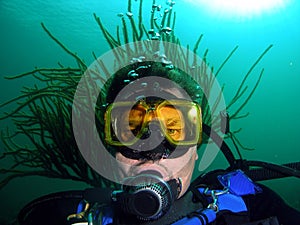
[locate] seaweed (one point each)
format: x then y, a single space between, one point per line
43 115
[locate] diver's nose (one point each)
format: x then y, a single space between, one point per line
153 131
152 144
152 136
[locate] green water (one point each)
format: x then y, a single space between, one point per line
272 127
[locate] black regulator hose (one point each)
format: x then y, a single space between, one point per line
220 143
271 171
148 200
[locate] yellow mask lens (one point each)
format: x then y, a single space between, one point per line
173 122
131 123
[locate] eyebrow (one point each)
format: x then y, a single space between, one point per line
173 122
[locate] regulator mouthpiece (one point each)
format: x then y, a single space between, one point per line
148 196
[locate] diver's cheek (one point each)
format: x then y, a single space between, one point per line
182 167
186 177
125 165
182 164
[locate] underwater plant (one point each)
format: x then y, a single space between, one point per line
43 115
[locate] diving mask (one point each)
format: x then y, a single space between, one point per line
128 123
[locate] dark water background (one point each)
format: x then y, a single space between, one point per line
273 126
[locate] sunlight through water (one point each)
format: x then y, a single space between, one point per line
240 9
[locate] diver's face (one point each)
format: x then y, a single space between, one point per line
180 167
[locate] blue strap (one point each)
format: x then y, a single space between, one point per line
80 207
201 217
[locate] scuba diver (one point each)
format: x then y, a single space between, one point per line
153 127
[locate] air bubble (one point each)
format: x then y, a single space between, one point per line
129 14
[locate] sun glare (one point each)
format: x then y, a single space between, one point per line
239 8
